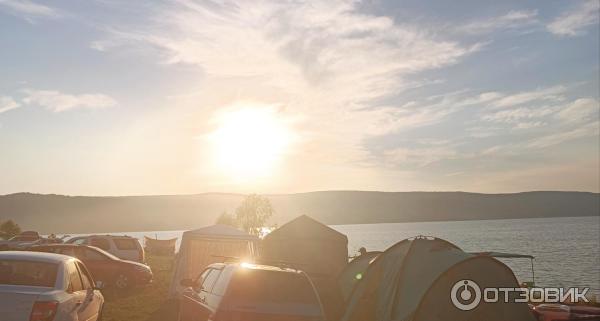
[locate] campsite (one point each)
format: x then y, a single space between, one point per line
410 280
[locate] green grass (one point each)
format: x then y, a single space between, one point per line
145 304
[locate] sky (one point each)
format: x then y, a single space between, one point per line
112 97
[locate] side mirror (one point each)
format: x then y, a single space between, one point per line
187 283
99 285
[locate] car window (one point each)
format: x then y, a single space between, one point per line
252 286
74 279
86 279
126 244
100 243
79 241
28 273
210 280
222 282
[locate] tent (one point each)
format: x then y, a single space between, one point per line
208 245
413 281
314 248
308 245
353 273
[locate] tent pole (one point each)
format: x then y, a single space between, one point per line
533 272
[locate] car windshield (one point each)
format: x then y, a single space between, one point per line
250 285
29 273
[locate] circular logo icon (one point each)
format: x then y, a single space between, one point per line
465 295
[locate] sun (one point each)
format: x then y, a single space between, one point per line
250 141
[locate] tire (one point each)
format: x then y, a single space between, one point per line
123 281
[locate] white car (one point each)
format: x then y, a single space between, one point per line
47 287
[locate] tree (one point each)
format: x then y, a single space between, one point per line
227 219
9 229
253 213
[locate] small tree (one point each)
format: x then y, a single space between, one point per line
227 219
253 213
9 229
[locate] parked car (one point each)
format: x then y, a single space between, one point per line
15 241
250 292
124 247
43 287
111 270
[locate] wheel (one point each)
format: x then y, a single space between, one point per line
123 281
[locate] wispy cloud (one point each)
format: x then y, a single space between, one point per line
324 60
7 103
583 109
575 21
553 94
57 102
510 21
589 130
28 9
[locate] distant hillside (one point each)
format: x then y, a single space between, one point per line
83 214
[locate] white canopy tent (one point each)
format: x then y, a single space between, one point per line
208 245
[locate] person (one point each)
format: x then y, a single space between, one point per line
362 251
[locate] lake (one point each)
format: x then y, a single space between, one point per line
567 250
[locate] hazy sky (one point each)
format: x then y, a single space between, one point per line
114 97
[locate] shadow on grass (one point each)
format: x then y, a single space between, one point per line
167 312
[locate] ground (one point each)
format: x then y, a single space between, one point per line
146 304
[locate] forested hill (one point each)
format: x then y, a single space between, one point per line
85 214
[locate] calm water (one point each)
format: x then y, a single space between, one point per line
567 250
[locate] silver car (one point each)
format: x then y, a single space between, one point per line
45 286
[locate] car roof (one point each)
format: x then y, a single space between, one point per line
35 256
253 266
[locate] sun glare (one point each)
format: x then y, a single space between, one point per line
250 141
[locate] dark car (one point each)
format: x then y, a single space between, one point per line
249 292
104 266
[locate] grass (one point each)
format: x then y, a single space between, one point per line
146 304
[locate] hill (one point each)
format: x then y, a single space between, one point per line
87 214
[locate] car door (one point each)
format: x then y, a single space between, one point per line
194 305
100 266
92 302
77 293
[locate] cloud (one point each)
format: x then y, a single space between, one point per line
420 157
589 130
324 60
518 115
58 102
573 22
510 21
28 9
7 103
582 109
553 94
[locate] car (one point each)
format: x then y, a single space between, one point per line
44 286
249 292
23 238
122 246
111 270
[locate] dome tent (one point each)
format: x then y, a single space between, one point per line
353 273
413 281
208 245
